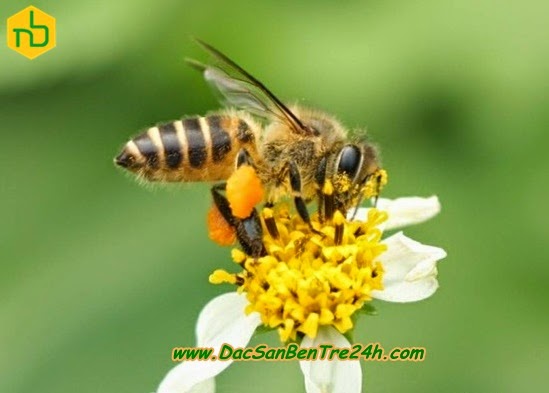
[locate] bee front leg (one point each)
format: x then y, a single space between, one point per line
378 189
248 230
357 205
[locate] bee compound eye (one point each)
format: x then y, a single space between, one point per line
350 159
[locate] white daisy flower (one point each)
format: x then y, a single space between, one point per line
308 286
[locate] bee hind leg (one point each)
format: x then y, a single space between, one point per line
243 158
248 230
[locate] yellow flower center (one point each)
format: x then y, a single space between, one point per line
308 279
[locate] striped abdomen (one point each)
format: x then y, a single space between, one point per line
191 149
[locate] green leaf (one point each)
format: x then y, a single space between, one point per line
368 309
262 329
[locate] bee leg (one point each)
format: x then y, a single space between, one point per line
329 205
270 222
301 207
244 158
250 234
248 230
325 194
320 178
359 201
378 189
320 199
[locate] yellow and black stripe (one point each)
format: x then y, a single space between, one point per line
172 147
191 149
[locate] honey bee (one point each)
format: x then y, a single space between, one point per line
297 152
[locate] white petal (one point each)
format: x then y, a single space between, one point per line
330 376
403 211
221 321
410 270
207 386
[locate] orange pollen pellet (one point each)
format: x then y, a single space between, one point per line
219 230
244 191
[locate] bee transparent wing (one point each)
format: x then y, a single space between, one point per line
240 89
239 93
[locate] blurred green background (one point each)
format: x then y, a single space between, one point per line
101 277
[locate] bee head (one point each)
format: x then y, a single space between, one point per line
354 164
